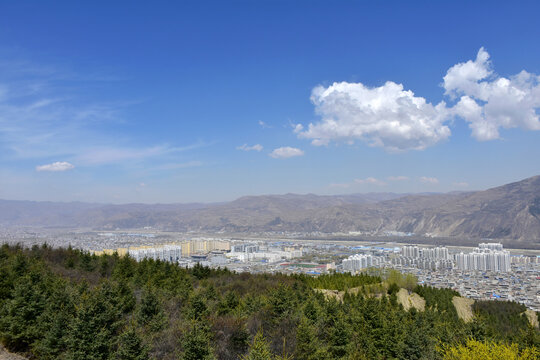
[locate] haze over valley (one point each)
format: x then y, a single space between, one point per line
510 213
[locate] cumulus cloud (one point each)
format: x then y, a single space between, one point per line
387 116
245 147
396 119
286 152
489 102
369 180
55 166
398 178
429 180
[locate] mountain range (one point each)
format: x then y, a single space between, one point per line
510 212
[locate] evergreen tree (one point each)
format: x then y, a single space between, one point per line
130 346
104 265
149 311
338 339
197 308
196 343
19 315
306 344
93 331
55 338
259 349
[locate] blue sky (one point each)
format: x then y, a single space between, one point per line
208 101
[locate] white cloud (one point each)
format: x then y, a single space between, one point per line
393 118
245 147
286 152
369 180
429 180
264 125
465 76
489 102
387 116
55 166
461 184
398 178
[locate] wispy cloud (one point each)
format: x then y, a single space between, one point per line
370 181
429 180
41 118
357 182
110 155
246 147
398 178
461 184
264 125
55 166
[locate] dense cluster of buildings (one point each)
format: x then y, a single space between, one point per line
360 261
487 272
256 252
422 263
486 257
424 258
440 252
171 252
210 252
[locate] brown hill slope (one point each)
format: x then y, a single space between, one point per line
510 211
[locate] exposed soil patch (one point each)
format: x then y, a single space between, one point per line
531 315
410 301
463 307
6 355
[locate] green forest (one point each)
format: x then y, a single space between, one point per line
70 304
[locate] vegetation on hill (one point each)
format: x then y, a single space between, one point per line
438 299
68 304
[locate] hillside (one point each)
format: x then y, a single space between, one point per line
510 212
68 304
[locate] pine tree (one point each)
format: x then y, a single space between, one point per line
338 339
19 315
149 308
259 349
306 345
55 338
94 328
196 343
130 346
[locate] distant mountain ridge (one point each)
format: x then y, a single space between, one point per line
511 211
